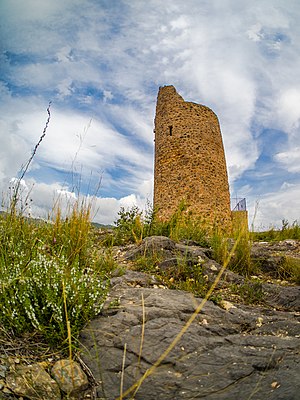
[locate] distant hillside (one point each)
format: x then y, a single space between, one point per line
97 225
94 224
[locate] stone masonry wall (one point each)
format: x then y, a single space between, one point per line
189 160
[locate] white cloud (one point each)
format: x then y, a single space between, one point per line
18 188
128 201
287 185
107 95
138 123
11 151
64 193
33 10
290 159
43 199
146 189
255 33
106 209
273 208
289 109
73 144
70 138
65 87
64 54
180 23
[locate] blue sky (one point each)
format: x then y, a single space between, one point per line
101 63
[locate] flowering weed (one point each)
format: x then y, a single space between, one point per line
40 263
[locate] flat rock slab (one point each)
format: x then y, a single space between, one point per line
244 352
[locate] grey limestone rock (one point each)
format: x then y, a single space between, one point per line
69 376
244 352
33 382
152 245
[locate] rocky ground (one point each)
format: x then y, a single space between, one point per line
226 350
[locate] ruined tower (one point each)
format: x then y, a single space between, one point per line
190 162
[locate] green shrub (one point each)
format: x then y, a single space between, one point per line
129 226
51 274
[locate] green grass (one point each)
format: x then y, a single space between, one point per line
290 269
184 275
187 277
287 231
240 262
44 263
251 291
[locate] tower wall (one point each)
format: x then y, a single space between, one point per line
190 162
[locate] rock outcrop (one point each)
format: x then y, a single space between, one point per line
230 351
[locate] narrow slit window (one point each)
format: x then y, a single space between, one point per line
170 130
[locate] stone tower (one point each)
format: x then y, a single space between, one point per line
190 162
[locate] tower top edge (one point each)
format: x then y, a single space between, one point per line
167 88
202 106
172 89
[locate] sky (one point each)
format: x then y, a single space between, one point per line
101 62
